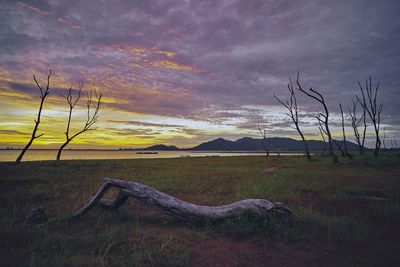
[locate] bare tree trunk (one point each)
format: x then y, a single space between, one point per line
177 208
304 142
346 151
323 139
61 149
43 95
364 130
264 140
355 123
384 139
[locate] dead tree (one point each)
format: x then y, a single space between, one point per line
264 140
180 209
355 123
345 151
291 105
43 94
369 103
322 117
91 117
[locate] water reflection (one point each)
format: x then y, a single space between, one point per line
32 155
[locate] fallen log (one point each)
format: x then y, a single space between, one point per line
177 208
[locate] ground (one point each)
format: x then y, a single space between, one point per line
349 213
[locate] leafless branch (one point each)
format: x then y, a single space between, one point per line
91 118
291 105
369 104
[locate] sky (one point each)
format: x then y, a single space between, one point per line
184 72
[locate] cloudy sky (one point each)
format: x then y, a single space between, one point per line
182 72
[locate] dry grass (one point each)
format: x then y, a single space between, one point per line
350 213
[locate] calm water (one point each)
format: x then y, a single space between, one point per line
11 155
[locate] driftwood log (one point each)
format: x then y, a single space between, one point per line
177 208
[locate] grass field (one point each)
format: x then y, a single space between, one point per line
350 213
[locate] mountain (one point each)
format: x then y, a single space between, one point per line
252 144
216 144
161 148
274 143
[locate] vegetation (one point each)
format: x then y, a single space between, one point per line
349 213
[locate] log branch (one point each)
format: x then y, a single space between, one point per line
177 208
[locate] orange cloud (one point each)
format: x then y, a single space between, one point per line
173 65
33 8
69 23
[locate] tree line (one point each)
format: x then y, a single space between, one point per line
93 105
367 102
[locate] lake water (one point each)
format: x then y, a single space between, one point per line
32 155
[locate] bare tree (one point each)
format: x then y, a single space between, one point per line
291 105
345 151
373 109
264 140
322 117
91 117
43 95
355 123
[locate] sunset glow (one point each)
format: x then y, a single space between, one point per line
184 72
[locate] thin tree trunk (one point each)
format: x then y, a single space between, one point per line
304 142
61 149
43 95
21 155
334 157
33 136
378 142
364 133
346 151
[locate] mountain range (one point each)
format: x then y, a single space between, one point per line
253 144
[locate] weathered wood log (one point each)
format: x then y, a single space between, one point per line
177 208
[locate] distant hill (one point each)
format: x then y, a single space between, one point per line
161 148
274 143
253 144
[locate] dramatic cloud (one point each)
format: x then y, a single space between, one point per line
214 65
